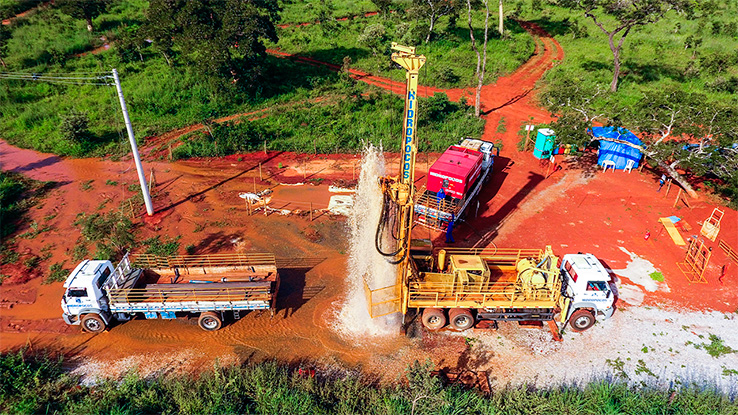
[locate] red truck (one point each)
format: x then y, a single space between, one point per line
454 180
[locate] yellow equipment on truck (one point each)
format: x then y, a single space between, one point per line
467 287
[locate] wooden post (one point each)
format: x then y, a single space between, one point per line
170 152
527 138
261 178
311 211
254 185
248 204
265 147
151 179
679 194
668 187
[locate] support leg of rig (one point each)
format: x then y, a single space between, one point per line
555 330
408 320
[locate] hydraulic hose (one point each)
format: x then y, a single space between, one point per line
380 227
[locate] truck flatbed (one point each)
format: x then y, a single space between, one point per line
435 214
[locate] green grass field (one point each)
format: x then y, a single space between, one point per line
38 384
655 57
162 97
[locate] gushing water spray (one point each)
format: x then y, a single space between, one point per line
364 260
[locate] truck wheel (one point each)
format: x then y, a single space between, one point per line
93 323
460 318
581 320
433 318
209 321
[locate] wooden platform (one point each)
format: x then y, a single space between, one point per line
673 232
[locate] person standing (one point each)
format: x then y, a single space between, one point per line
661 182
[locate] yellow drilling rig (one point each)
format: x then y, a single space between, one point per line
461 287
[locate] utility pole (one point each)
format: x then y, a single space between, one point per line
134 147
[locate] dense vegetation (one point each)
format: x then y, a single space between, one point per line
342 122
451 61
37 384
166 88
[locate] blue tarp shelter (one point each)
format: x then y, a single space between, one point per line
614 151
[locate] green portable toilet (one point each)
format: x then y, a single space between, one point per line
544 143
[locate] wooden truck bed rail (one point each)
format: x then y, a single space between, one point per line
263 266
482 295
256 292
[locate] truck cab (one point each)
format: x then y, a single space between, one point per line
485 147
587 285
85 293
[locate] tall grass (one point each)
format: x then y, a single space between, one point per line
301 11
338 123
450 60
162 98
654 57
10 8
33 384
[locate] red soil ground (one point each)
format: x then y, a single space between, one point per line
577 208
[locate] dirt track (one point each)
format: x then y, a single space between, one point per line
575 209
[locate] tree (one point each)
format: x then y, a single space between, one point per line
374 37
83 9
481 62
223 38
384 6
628 14
686 130
5 35
434 10
680 130
501 25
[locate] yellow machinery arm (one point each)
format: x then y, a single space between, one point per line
400 189
406 57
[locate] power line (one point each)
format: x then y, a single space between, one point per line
39 76
54 79
98 73
67 81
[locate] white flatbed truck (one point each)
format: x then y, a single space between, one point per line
205 286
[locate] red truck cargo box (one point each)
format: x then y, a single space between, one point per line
455 171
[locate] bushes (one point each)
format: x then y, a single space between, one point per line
111 232
37 384
155 246
338 124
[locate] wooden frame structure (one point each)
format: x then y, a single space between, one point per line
711 227
729 251
696 261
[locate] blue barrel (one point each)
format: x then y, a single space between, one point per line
544 143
